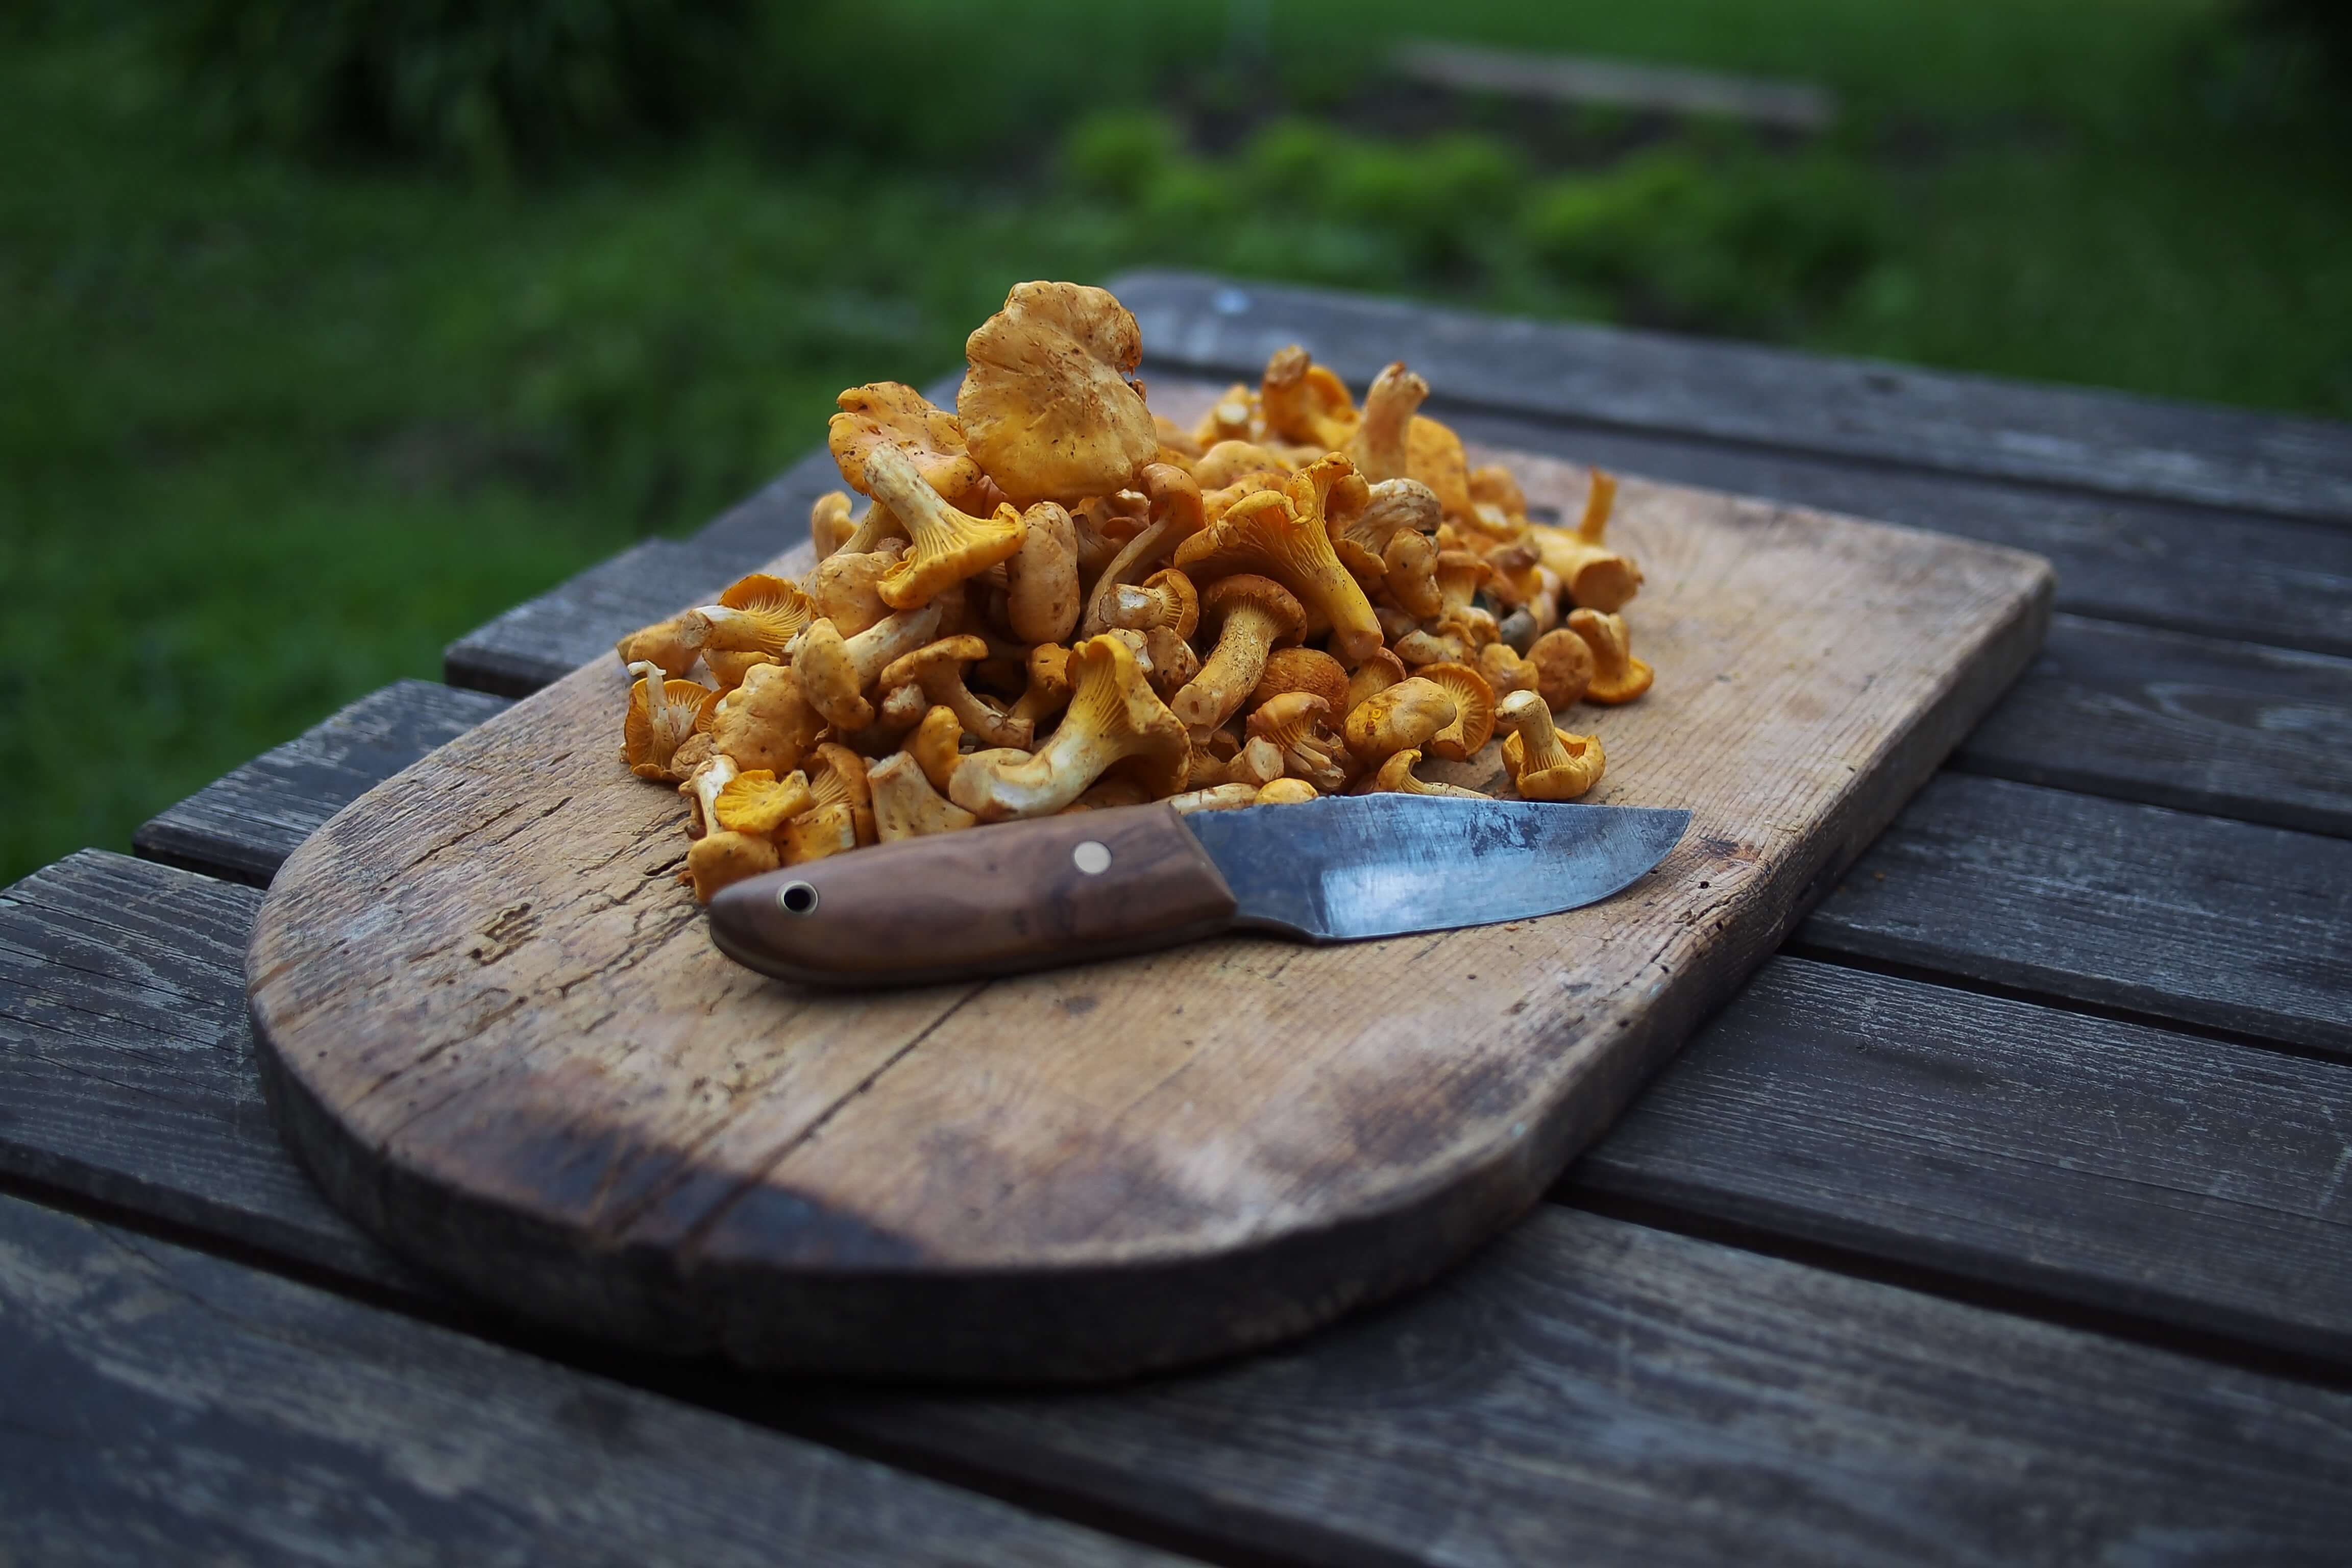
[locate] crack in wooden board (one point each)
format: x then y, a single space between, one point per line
1094 1171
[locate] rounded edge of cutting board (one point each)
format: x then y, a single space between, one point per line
906 1320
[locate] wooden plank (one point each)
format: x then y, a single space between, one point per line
2188 1181
2102 441
2228 729
2215 924
540 639
2161 564
126 1062
1583 80
167 1406
1596 1392
244 824
550 1077
1585 1380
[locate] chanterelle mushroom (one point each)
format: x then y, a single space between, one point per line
1617 676
841 813
846 587
1395 776
1175 514
949 545
757 801
1564 666
906 805
674 644
1294 723
1595 576
1267 533
1545 763
766 722
888 413
1303 670
1380 443
720 857
1041 594
662 713
1048 408
758 614
1305 403
1474 716
835 671
712 773
1389 507
1166 598
1249 614
938 668
1402 716
1114 720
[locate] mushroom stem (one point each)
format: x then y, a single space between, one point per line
1232 669
1380 447
906 805
1523 713
949 545
1396 777
1114 717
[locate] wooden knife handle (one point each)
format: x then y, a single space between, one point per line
988 900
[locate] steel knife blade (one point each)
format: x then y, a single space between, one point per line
1066 890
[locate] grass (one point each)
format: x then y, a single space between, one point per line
272 432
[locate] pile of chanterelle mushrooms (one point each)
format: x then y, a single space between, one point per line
1055 601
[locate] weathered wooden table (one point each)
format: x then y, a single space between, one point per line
2005 1216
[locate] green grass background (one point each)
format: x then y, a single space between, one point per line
273 429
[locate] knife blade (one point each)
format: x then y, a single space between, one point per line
1066 890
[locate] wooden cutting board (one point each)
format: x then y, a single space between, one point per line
491 1022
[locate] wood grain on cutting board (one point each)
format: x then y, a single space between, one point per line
493 1024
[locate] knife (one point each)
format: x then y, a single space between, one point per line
1098 884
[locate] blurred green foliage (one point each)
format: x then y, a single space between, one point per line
486 83
275 426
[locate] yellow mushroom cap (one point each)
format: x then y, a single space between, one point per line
758 614
891 413
935 745
672 644
719 858
662 713
829 523
1494 484
1473 710
1306 669
1230 461
1435 458
1165 599
936 669
757 801
1563 665
766 722
1287 792
1305 402
1404 715
1048 408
